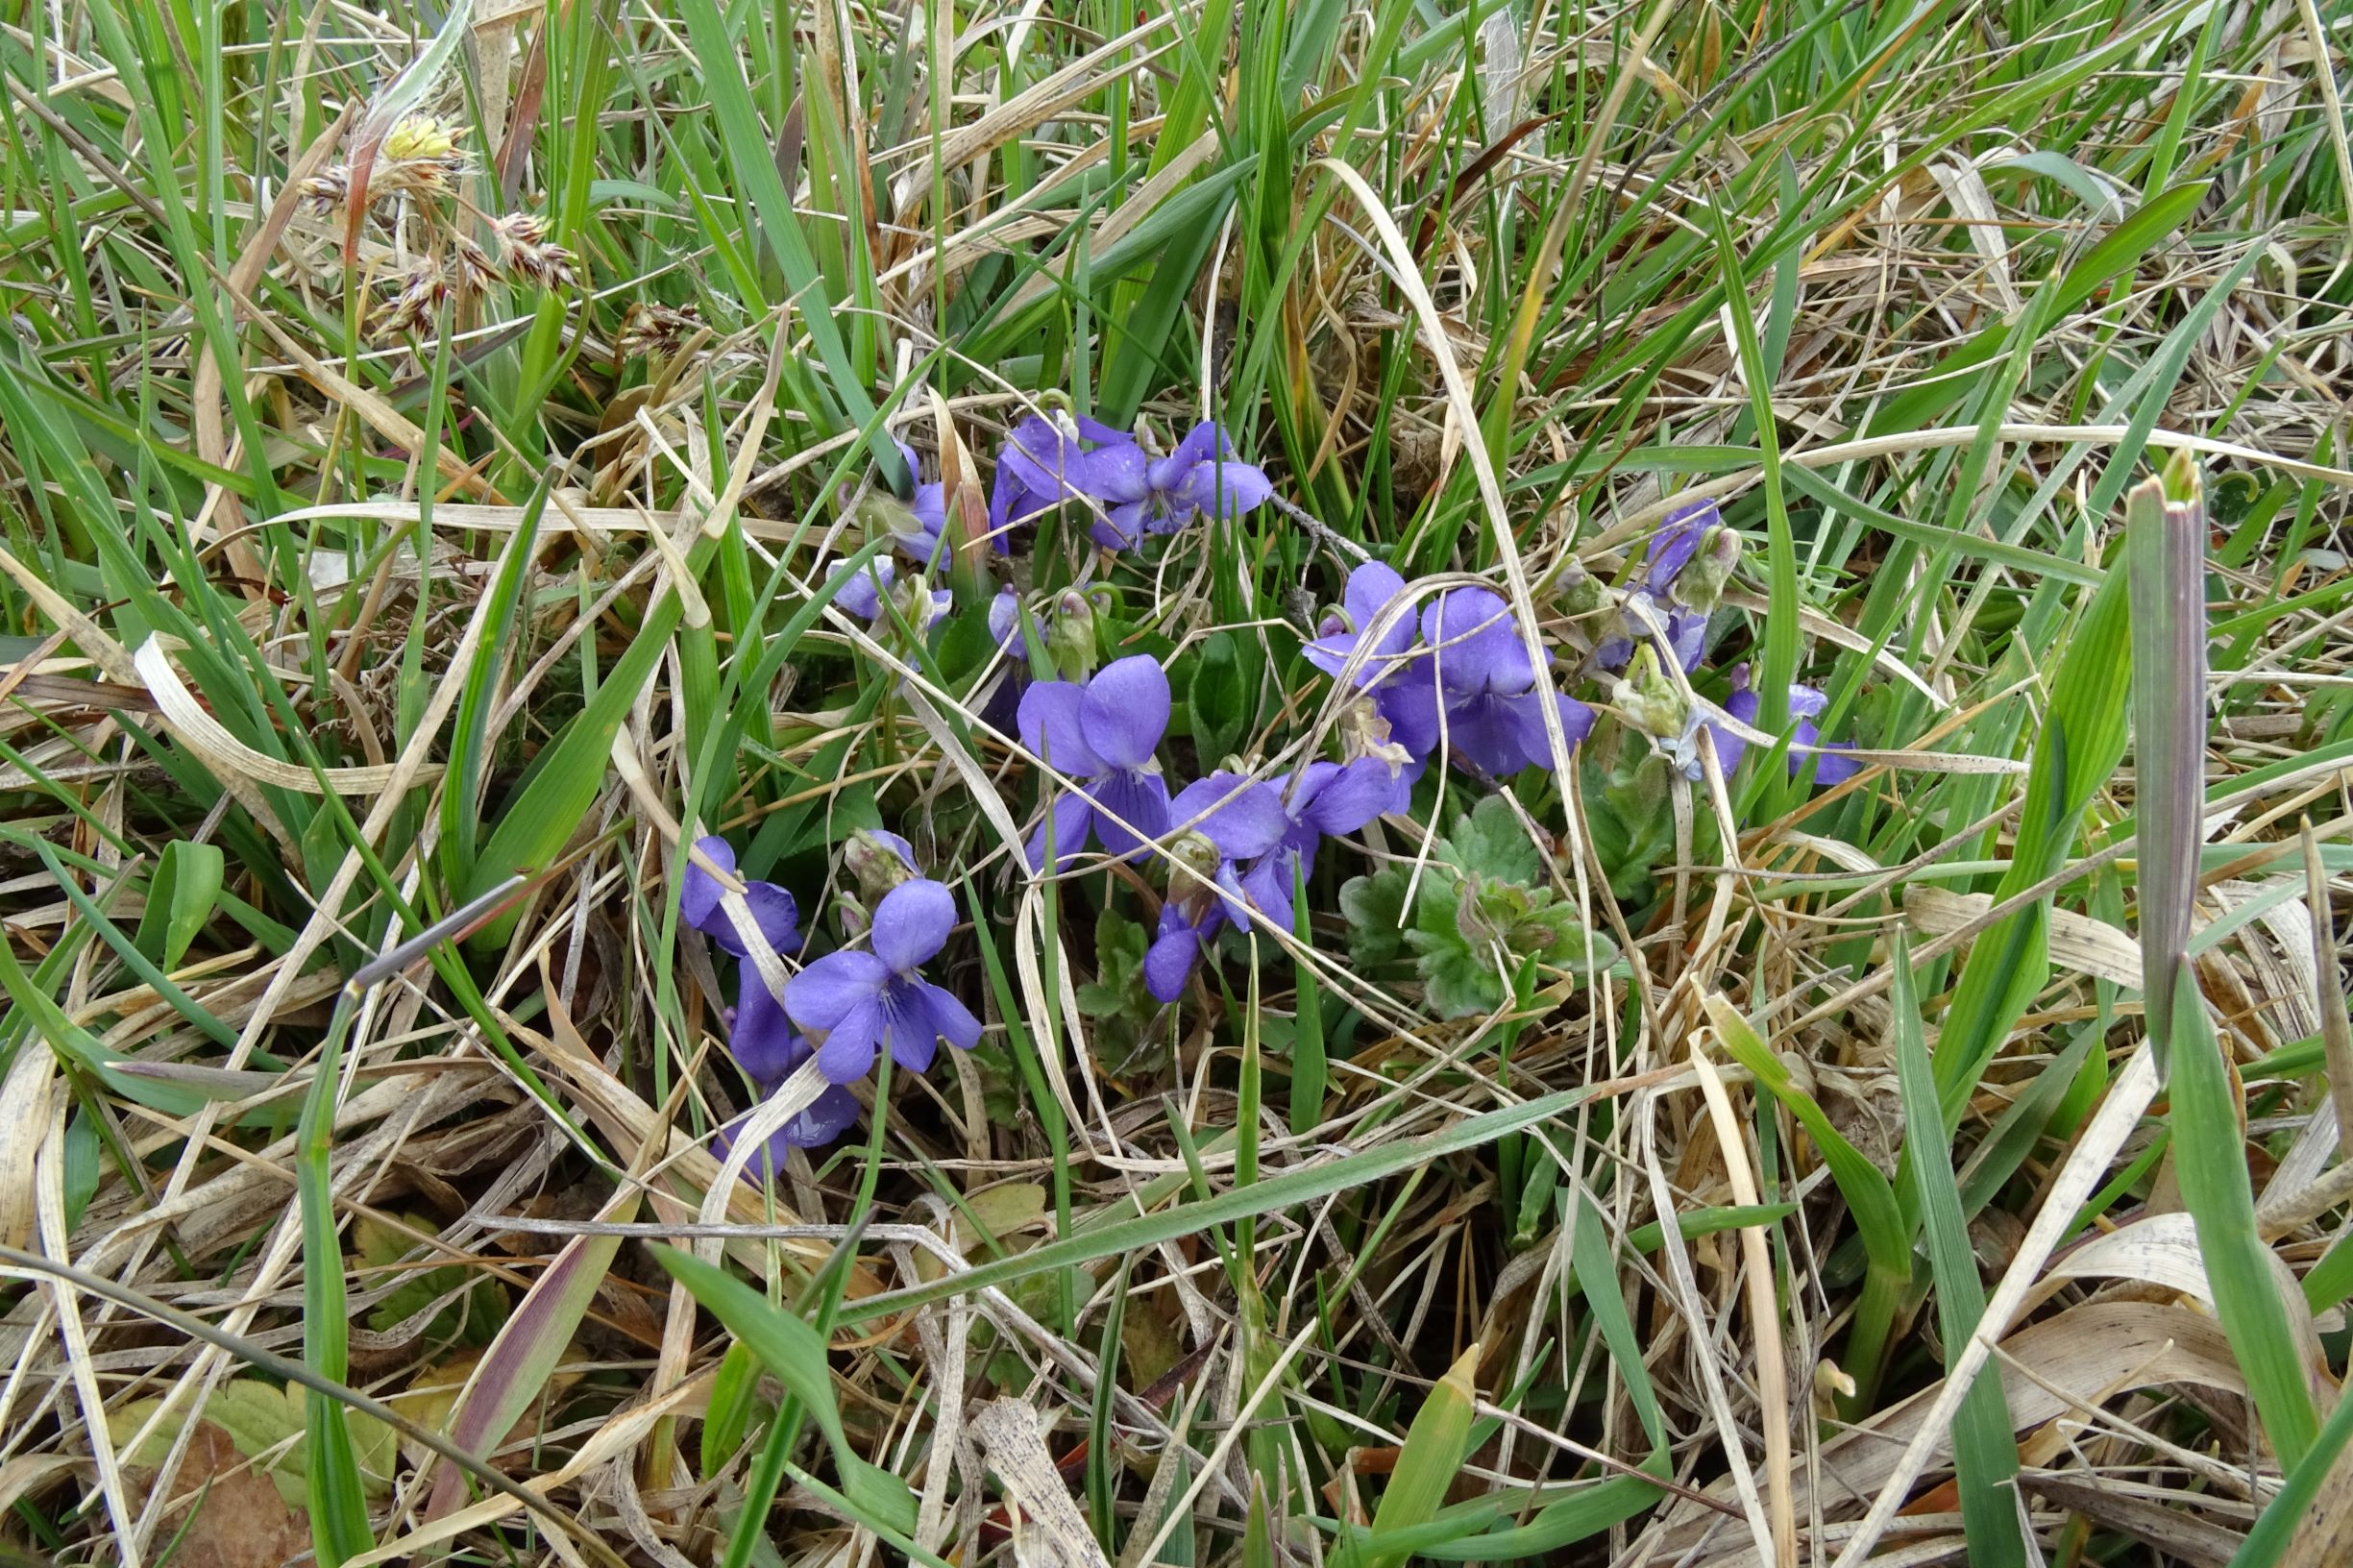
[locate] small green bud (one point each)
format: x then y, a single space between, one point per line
877 862
882 515
912 596
1070 639
1702 582
1192 878
2183 484
1579 592
1648 699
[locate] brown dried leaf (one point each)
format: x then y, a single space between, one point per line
233 1517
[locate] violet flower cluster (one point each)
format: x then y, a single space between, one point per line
1235 841
844 1008
1127 494
1468 687
759 1036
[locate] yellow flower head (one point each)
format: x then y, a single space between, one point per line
417 138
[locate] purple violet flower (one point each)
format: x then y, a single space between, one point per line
1389 664
765 1044
853 1003
773 909
862 596
1040 467
1372 588
1222 820
922 543
1101 734
1324 800
1483 694
1653 609
827 1117
1005 625
1144 496
1805 702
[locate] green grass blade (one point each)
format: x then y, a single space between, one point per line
1431 1455
2210 1162
1985 1455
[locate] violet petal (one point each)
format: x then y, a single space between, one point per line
912 923
1072 816
1239 815
826 993
1676 541
699 888
1120 528
1124 711
762 1040
848 1050
1005 623
1350 795
951 1020
1476 643
862 595
1051 729
1225 488
1409 703
1114 474
1175 953
1131 807
1267 885
1205 441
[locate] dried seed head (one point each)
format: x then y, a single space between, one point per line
657 330
414 309
329 189
1365 733
530 255
476 269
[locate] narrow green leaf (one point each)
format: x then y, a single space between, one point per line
181 896
2081 745
1596 1278
794 1352
1433 1455
1869 1196
752 154
1985 1455
2210 1162
728 1416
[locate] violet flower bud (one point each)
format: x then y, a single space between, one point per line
1070 639
1580 593
879 862
1701 583
1648 699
